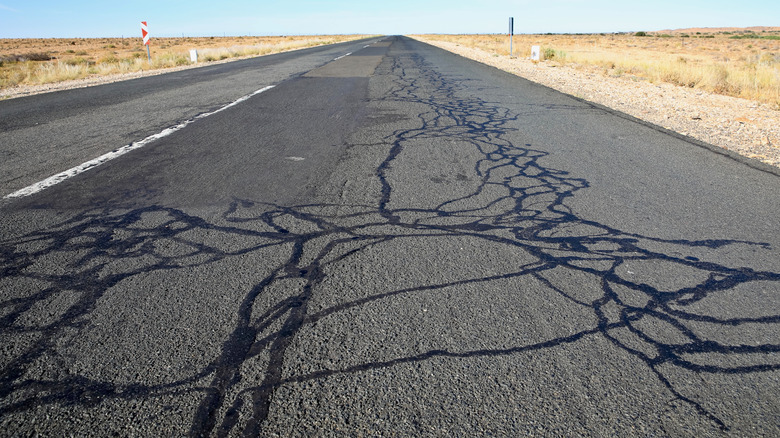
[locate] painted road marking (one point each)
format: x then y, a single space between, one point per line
342 56
70 173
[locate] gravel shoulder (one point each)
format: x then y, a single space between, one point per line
745 127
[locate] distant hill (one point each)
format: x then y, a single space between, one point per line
756 29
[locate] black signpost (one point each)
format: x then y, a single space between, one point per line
511 33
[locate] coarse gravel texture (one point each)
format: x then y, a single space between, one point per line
746 127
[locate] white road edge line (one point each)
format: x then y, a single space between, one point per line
70 173
342 56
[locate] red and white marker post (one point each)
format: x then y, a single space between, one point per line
145 35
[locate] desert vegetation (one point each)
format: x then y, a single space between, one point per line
740 63
45 60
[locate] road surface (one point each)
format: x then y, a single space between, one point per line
396 242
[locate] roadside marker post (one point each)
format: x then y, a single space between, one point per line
145 35
511 33
536 53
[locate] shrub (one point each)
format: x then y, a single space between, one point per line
76 61
108 59
26 57
550 53
641 34
38 56
753 36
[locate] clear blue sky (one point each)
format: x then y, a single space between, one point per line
85 18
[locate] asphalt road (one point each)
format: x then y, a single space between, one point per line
398 242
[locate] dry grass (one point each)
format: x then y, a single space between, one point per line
747 67
45 60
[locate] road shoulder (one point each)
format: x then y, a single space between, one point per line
744 127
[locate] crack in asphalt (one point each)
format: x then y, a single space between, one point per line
519 203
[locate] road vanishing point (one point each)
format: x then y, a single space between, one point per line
377 238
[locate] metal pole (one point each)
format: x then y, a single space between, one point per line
511 33
145 35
